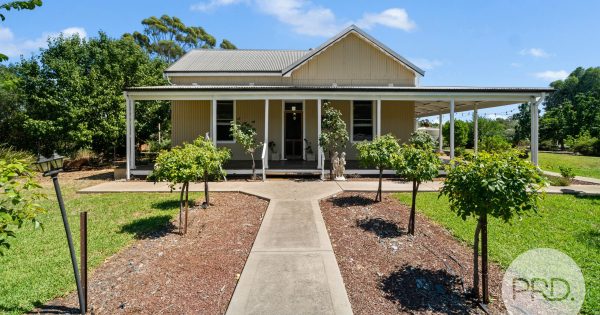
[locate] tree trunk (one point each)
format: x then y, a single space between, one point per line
206 197
187 190
378 196
476 260
484 259
253 166
181 208
411 219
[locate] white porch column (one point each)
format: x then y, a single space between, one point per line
534 142
378 118
127 137
213 121
440 136
475 129
451 128
318 133
267 131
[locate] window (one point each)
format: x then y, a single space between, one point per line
362 121
225 113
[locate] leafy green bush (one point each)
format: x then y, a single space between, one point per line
156 146
584 144
422 139
459 151
567 173
379 154
549 145
19 194
494 144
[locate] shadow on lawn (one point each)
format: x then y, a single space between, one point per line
417 290
168 204
380 227
591 238
55 309
352 201
150 227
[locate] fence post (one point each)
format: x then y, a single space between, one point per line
84 258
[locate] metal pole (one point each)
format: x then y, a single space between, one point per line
83 219
61 204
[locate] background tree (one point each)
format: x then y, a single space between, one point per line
422 140
244 134
461 133
210 162
168 38
71 95
379 154
334 134
179 167
19 196
523 124
17 5
500 185
416 165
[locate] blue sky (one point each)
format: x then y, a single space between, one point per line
478 43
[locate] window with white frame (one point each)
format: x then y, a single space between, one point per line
362 121
225 115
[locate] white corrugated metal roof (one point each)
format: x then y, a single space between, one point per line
239 60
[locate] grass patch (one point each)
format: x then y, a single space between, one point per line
565 222
587 166
37 268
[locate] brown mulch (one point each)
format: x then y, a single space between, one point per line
387 271
167 273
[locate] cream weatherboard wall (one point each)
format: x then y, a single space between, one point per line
398 118
189 119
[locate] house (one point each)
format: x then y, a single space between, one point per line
282 92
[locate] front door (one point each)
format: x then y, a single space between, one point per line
293 131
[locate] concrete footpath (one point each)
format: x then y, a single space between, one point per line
264 189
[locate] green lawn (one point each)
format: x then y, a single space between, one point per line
37 267
565 222
588 166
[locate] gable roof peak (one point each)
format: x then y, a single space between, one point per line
362 34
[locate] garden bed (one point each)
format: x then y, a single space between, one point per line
388 272
164 272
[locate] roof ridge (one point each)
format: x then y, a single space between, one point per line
248 49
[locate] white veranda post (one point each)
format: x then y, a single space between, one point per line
534 142
440 136
475 129
378 116
266 141
452 128
130 135
318 133
213 121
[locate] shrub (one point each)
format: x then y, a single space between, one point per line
567 173
19 194
10 153
156 146
460 151
422 140
558 181
584 144
494 144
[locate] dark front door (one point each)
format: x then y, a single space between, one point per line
293 135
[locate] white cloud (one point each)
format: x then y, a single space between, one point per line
535 52
14 47
426 64
394 18
551 75
213 4
6 34
311 19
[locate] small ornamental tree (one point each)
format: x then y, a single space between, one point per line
422 140
19 194
500 185
210 163
179 166
417 165
334 135
244 134
379 154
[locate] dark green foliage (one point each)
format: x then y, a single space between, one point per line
584 144
168 38
71 96
461 133
574 108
